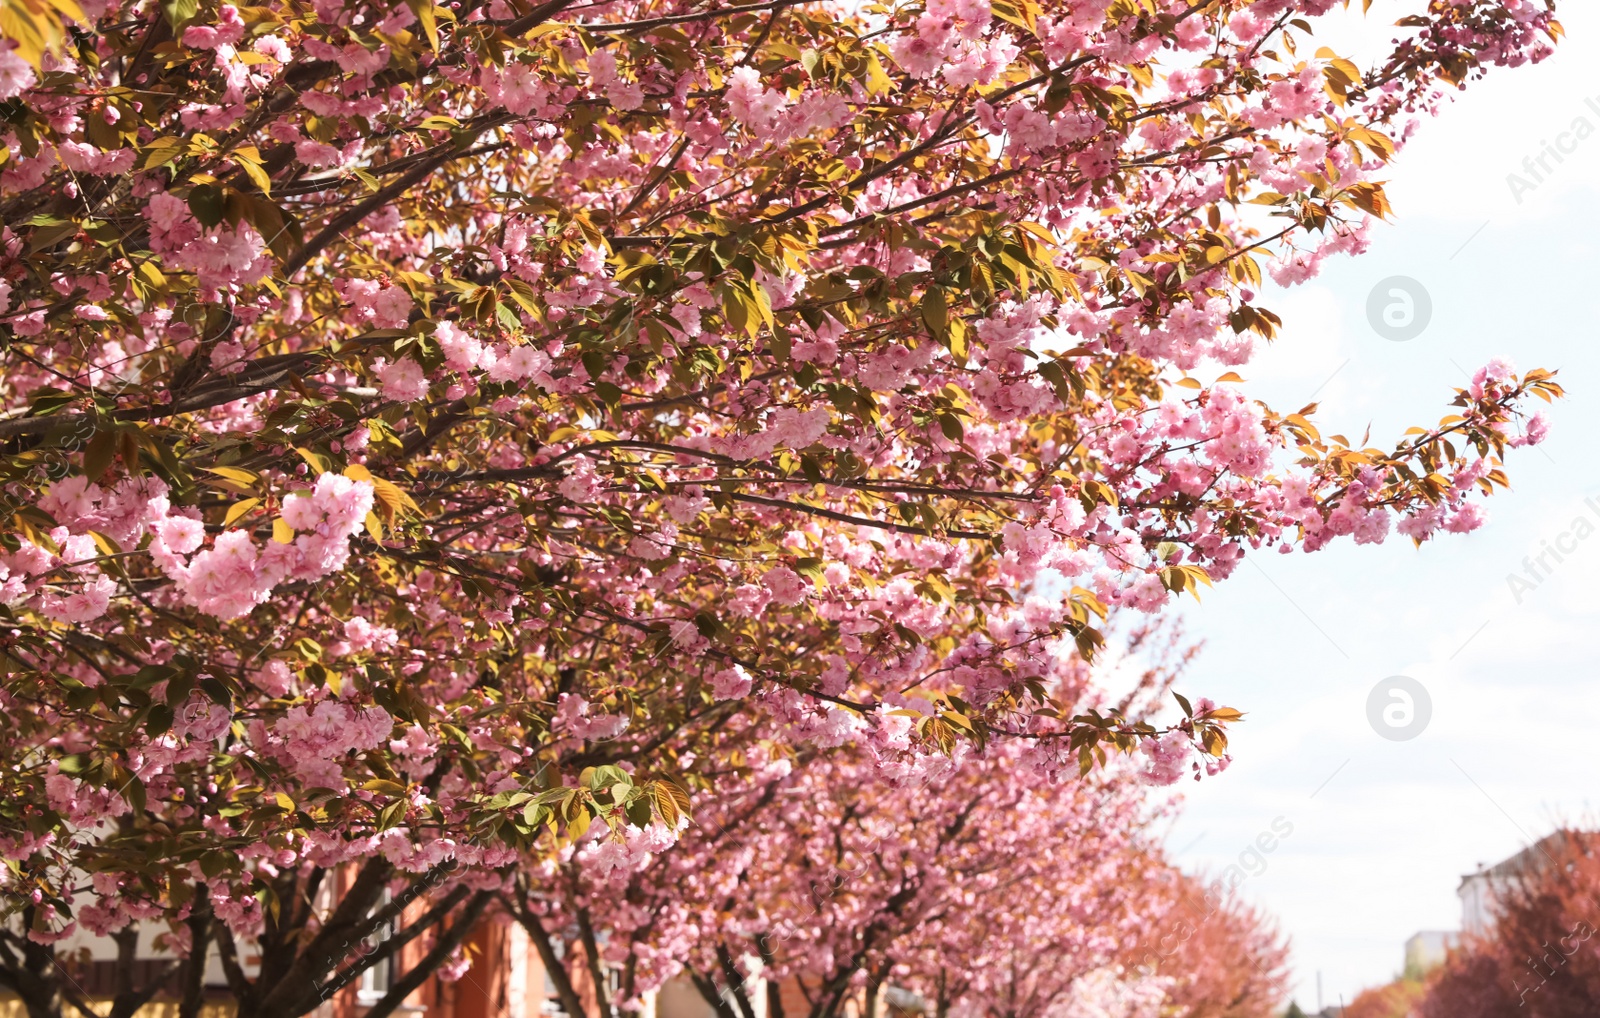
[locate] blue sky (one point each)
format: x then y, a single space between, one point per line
1300 641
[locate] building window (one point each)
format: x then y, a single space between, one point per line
377 978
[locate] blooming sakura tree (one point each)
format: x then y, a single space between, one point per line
1396 999
817 871
1220 956
423 424
981 889
983 884
1540 957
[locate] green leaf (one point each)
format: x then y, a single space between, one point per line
159 719
607 775
671 801
97 457
179 687
578 824
430 22
735 310
392 814
238 510
638 811
249 160
935 313
208 203
180 13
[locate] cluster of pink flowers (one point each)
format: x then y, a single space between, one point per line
114 908
950 39
386 307
577 718
1113 992
200 719
16 76
83 805
18 568
616 860
227 579
221 256
239 907
312 740
121 513
1165 759
235 574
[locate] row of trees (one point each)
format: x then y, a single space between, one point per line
976 883
980 898
441 442
980 884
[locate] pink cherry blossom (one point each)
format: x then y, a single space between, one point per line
402 380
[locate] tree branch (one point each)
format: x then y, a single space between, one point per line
443 947
392 944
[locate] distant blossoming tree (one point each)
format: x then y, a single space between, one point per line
1220 957
1539 957
975 886
423 426
1398 999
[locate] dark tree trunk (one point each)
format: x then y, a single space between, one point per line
736 984
597 973
126 998
874 997
30 971
192 984
774 988
713 996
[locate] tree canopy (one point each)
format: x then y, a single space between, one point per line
431 431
